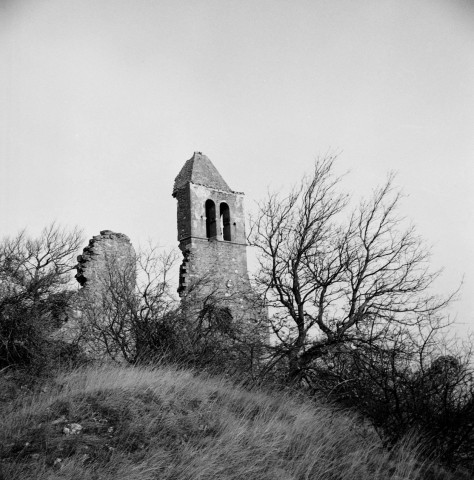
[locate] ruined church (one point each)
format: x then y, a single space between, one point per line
211 235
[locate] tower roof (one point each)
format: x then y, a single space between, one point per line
199 169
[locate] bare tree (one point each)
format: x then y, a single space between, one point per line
339 279
144 322
34 290
120 316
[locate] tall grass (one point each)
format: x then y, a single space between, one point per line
168 424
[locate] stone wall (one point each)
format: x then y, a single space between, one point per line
108 255
213 266
215 248
106 271
223 263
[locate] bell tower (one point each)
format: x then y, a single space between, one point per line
211 230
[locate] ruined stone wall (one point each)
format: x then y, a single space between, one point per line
109 259
198 194
192 213
184 213
222 262
214 248
213 265
107 255
106 271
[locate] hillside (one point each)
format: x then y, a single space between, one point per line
135 423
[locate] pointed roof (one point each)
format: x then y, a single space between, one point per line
199 169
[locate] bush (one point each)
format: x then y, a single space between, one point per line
401 398
34 293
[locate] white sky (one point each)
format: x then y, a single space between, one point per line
102 101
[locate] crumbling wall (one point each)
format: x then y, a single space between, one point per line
106 271
108 255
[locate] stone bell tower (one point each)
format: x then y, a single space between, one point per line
211 231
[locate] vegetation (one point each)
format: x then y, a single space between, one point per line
341 280
140 423
355 326
146 323
354 316
35 295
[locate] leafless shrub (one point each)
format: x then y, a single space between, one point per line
35 291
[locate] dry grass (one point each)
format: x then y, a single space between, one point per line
170 424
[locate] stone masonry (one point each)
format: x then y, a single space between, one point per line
211 233
106 267
107 254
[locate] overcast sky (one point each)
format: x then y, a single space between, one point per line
102 102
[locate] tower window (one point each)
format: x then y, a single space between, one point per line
225 221
211 230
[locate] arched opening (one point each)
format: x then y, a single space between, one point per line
211 230
225 221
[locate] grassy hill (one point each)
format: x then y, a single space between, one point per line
136 423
